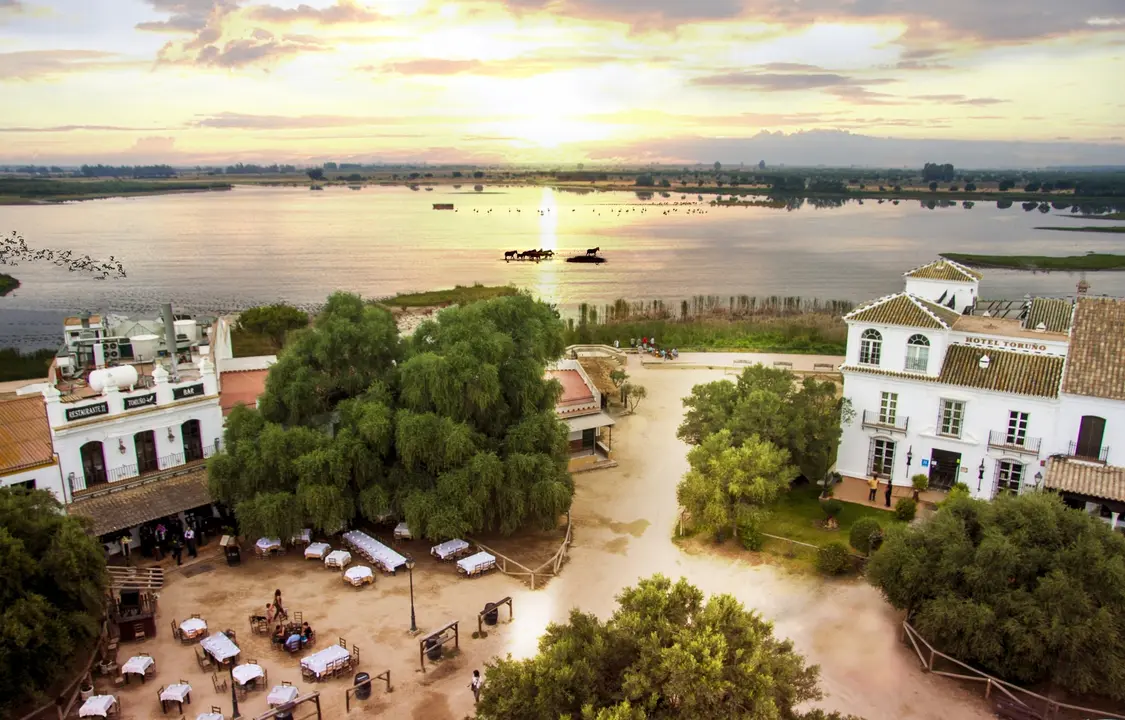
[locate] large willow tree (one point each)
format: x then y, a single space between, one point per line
453 430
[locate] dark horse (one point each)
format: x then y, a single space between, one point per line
593 251
511 254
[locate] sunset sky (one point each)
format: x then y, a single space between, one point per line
486 81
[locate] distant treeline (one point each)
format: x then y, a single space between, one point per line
736 306
45 189
15 365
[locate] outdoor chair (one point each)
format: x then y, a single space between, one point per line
203 659
343 643
308 674
286 683
355 656
220 685
176 632
196 616
298 618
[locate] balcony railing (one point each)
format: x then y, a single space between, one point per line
171 460
165 463
1086 452
895 423
1002 440
120 473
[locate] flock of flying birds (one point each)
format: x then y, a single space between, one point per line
14 250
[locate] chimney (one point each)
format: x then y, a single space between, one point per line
170 340
85 318
99 356
1083 286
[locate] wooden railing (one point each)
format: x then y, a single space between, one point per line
1046 707
548 569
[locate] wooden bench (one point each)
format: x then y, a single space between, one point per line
1012 710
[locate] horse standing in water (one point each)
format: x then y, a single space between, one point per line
510 255
593 251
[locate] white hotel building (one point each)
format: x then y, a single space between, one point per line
999 404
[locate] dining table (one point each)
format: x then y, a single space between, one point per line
97 706
193 627
178 693
220 647
282 694
137 665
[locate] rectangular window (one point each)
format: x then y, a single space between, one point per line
1017 428
888 406
882 457
25 485
917 358
952 418
1009 477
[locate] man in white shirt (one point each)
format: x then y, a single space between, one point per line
189 538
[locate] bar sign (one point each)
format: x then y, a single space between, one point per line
188 391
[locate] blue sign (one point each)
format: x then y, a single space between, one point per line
925 462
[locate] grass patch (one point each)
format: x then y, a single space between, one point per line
810 333
7 284
1088 228
1092 261
797 516
15 365
458 295
15 191
248 344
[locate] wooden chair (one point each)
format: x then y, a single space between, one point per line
196 616
176 632
163 707
355 656
343 643
286 683
220 685
203 659
308 674
298 617
139 635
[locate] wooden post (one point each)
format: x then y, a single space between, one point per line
988 688
930 667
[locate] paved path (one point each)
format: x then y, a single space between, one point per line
801 363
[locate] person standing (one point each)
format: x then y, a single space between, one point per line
872 488
888 495
474 685
161 540
178 551
125 540
189 538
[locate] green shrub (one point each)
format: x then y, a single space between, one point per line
833 559
866 535
831 507
905 509
750 536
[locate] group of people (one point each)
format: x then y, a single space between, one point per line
293 638
167 536
648 345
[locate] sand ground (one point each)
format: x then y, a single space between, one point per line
624 519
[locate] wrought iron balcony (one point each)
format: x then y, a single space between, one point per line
1003 440
892 423
1091 453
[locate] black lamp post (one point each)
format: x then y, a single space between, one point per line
980 474
410 569
909 458
233 691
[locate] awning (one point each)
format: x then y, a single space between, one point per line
1105 482
138 502
585 422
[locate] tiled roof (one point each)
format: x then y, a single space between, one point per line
1007 372
242 387
944 270
1094 364
138 502
904 309
25 436
1054 313
575 390
1100 481
868 370
94 320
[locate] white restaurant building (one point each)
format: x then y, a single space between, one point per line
999 404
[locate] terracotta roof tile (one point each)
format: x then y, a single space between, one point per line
1100 481
112 509
1094 364
1054 313
25 436
904 309
242 387
575 390
1007 372
944 270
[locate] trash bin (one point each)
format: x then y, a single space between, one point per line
491 614
362 686
433 649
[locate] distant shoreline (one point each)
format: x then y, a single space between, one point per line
1041 263
7 284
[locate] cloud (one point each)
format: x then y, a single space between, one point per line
75 128
254 50
433 66
11 5
34 64
243 121
776 82
186 15
520 66
344 11
952 99
640 12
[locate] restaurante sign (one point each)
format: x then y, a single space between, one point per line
87 411
1010 344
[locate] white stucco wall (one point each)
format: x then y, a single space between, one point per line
46 477
964 293
1073 407
893 351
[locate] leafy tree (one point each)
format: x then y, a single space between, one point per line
718 166
804 419
273 321
906 509
729 484
1006 184
666 652
315 174
970 187
52 593
933 186
833 559
632 394
1022 586
934 171
918 483
866 535
1032 186
454 430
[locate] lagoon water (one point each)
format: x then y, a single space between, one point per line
219 252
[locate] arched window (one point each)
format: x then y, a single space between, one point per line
917 353
870 347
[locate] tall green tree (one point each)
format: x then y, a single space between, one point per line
1023 587
453 430
273 321
731 485
666 652
52 594
803 418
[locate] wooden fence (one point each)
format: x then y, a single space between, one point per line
547 570
1041 705
68 698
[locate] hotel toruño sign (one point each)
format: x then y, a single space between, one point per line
1007 344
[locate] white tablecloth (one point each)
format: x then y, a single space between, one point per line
96 706
476 563
265 544
209 716
245 673
137 665
219 646
176 693
402 532
358 573
377 552
448 548
337 558
319 661
303 536
317 550
281 694
191 626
